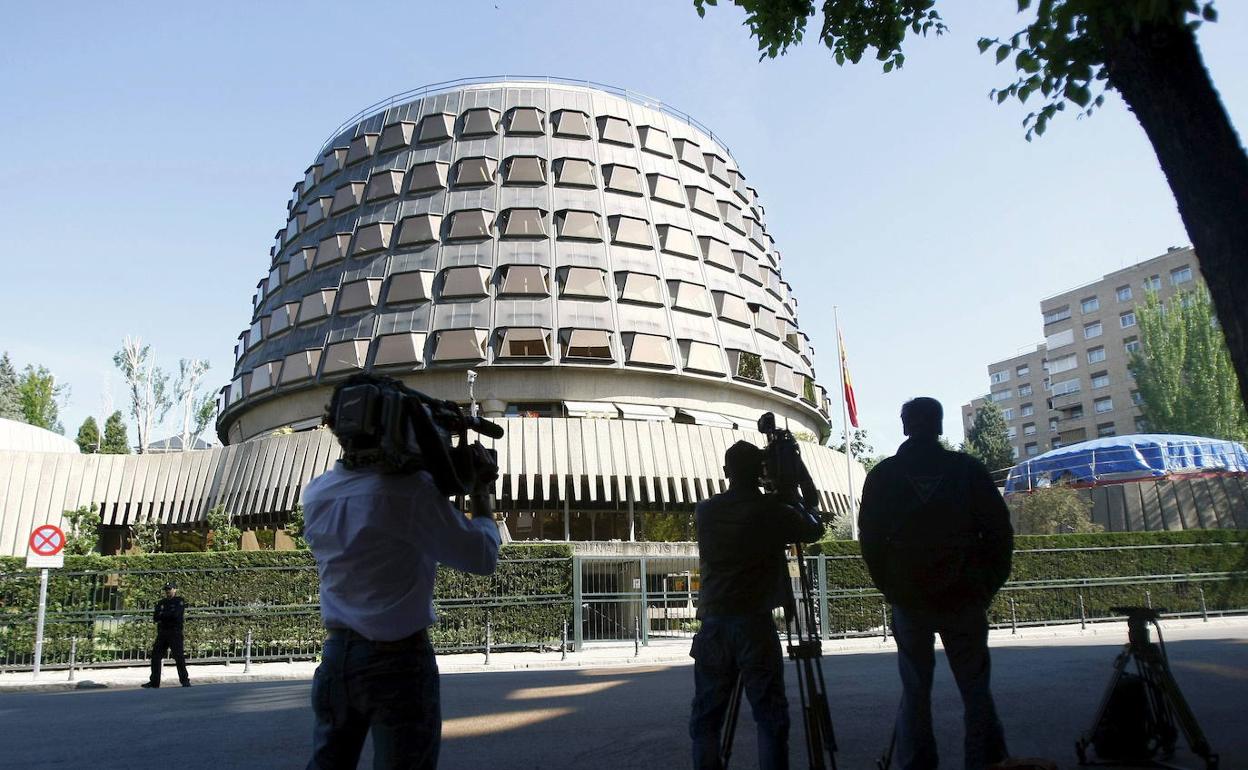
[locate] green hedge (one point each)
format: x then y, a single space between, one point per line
106 602
1193 551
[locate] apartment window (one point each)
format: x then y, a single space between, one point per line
1001 395
584 283
1105 429
1053 428
1055 341
1093 329
1014 452
1076 413
1096 355
1063 364
1153 283
1024 389
1057 314
1029 429
1066 386
587 343
525 343
1100 380
1141 425
1131 344
1103 405
1011 433
1007 415
1031 449
1089 305
999 377
1127 320
1022 370
1136 398
1027 410
1181 275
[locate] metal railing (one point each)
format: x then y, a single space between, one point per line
445 86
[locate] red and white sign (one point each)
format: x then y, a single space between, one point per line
47 544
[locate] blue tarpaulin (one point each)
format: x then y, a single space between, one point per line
1145 455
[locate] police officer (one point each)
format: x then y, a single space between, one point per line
168 616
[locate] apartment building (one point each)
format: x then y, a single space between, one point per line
1076 384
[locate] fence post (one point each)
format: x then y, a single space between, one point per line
1204 610
1148 598
563 647
822 574
578 619
636 637
488 632
1083 618
884 616
1013 617
73 656
645 608
247 654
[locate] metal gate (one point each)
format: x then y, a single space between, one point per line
622 598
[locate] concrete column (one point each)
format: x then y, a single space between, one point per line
493 407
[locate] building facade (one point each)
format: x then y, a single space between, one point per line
1076 385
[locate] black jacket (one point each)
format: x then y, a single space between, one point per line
935 531
169 614
742 535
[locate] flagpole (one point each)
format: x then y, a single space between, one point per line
849 448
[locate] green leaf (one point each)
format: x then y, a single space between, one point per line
1208 13
1002 52
984 44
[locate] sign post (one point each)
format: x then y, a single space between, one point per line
47 544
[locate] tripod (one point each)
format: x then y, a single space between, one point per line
1142 713
804 647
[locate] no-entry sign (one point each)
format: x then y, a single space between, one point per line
47 544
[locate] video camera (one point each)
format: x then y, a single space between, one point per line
383 424
784 473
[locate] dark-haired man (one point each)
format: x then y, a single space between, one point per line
742 535
377 538
936 537
169 615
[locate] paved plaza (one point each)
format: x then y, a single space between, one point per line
606 709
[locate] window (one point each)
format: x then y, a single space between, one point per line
666 189
1022 370
999 377
1100 380
1089 305
525 343
522 223
427 176
1136 398
1096 355
1066 386
1053 426
524 279
746 365
1092 330
655 140
1026 410
1001 395
584 283
574 172
463 282
1104 429
525 120
524 170
572 124
1152 283
459 345
479 121
579 225
1123 293
639 287
689 297
1011 432
1127 319
1181 275
631 231
1103 405
593 344
1061 339
1076 412
621 179
1007 414
702 357
474 172
470 224
1029 429
1141 425
1131 344
1031 449
1014 452
689 153
615 130
435 128
1024 389
731 308
648 350
1063 364
1057 314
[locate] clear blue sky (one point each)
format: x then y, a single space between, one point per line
150 149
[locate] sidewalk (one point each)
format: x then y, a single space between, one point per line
667 652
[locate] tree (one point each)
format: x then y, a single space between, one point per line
145 534
859 443
205 414
1071 53
88 436
82 535
115 440
39 395
10 398
987 439
1183 370
186 394
294 526
149 387
222 534
1055 510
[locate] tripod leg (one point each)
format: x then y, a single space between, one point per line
730 723
1177 709
1085 740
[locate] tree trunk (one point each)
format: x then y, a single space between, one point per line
1157 68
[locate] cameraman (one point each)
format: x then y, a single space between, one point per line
742 535
377 538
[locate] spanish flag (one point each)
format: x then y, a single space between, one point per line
851 405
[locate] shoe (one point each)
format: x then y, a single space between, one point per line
186 684
149 686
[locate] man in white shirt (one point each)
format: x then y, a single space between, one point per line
377 539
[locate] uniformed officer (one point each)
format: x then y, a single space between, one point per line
168 616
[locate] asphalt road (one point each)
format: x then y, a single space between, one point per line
606 717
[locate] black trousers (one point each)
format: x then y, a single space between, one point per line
168 642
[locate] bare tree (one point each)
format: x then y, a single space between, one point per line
190 402
149 387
